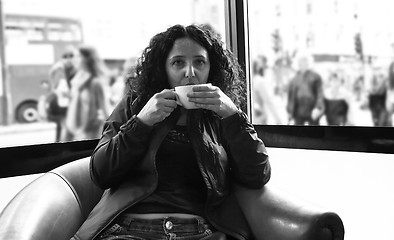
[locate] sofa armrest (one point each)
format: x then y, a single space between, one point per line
44 209
51 207
274 214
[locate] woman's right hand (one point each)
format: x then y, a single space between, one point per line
158 107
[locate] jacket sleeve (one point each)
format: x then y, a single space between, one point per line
248 156
123 144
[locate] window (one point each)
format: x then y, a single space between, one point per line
38 33
277 33
351 50
342 42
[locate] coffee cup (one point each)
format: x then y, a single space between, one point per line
182 91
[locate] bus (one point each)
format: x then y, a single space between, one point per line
33 44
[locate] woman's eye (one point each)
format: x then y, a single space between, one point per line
177 63
200 62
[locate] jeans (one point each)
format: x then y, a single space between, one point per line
169 228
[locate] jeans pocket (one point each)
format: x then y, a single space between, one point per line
196 236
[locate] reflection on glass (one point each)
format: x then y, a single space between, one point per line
39 36
346 78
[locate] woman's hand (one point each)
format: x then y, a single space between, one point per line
158 107
212 98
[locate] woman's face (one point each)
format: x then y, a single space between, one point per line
187 63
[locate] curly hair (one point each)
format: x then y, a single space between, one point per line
149 75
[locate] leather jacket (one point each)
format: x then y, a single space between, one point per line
228 152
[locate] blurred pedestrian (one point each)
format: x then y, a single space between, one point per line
377 93
116 86
338 101
390 92
265 111
89 105
43 105
57 99
305 103
283 72
117 81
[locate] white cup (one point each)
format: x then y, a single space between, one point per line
182 91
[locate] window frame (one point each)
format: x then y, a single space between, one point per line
337 138
237 40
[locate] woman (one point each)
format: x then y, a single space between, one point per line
265 103
169 171
377 98
88 105
305 104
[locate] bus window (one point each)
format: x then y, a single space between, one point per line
76 32
54 31
36 34
14 32
63 32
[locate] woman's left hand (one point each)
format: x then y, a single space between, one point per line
212 98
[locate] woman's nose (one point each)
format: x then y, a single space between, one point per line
190 71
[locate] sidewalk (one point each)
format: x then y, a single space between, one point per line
27 134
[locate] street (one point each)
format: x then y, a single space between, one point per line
44 132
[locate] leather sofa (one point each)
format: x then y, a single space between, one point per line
55 205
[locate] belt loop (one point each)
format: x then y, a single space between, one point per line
200 225
164 225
